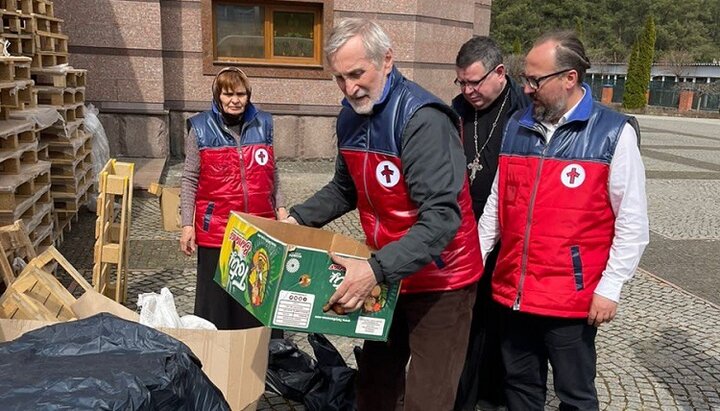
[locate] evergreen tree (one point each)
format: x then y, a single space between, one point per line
647 48
634 95
517 46
639 67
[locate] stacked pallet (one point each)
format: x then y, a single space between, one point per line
24 176
69 145
17 27
31 29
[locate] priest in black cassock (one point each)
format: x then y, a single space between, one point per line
487 99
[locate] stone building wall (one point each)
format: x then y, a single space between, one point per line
147 73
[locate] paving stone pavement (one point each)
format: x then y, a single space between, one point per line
661 353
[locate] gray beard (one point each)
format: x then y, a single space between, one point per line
549 114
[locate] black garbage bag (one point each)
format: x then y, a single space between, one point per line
291 372
103 362
323 385
337 391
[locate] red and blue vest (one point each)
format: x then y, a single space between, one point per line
232 178
371 148
556 221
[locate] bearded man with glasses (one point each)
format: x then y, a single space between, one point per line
568 203
487 99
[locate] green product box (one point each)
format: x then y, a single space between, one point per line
283 275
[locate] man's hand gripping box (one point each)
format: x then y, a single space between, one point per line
283 275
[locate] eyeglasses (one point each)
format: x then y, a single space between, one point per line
474 84
534 82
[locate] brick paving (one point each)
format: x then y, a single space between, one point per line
661 353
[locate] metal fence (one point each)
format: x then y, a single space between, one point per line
662 93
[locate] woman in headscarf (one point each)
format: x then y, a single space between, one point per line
229 166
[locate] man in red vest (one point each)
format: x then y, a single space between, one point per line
401 165
568 203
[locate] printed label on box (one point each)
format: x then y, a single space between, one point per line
370 326
293 309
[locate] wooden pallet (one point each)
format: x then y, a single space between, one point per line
60 96
14 243
69 196
43 59
14 133
20 44
8 66
44 23
41 118
43 7
16 188
60 77
38 295
31 210
46 41
111 237
69 113
11 22
18 95
78 146
41 217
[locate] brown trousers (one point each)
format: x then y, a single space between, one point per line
431 330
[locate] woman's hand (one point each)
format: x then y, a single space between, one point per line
187 240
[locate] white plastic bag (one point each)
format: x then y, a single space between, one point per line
18 265
100 147
158 310
196 323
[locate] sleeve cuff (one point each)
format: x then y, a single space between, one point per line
609 288
296 216
379 277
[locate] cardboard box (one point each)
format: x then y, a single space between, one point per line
234 360
169 206
283 275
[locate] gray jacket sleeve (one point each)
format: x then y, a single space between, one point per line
189 181
338 197
434 169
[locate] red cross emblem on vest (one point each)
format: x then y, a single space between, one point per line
573 175
387 174
261 156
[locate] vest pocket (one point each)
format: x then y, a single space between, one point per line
577 267
208 215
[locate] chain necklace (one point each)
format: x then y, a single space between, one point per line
475 165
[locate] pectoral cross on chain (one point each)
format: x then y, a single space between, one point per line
474 167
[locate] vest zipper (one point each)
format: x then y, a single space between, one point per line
238 149
367 193
526 240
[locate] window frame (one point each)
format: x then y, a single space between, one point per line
289 67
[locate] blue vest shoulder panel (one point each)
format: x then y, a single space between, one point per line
382 131
257 128
591 133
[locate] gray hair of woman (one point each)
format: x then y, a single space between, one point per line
374 39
